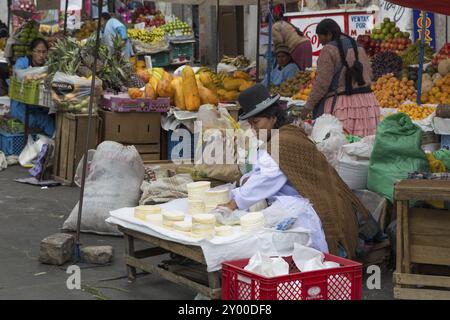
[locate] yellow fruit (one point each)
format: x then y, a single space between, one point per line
190 90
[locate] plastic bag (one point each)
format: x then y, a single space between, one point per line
397 152
114 182
72 93
353 162
266 266
372 201
32 73
324 126
79 171
444 156
32 149
329 136
3 162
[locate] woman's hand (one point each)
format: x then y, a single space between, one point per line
231 205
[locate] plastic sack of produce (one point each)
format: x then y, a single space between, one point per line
72 93
33 73
397 152
353 162
114 181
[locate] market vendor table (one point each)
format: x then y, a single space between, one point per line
423 237
134 259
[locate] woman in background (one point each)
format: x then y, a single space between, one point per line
38 116
285 33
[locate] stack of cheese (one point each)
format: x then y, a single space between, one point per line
149 213
184 227
171 217
203 225
252 221
214 198
196 196
224 231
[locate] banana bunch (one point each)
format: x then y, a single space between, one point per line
239 61
155 35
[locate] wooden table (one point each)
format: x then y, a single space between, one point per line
134 259
423 238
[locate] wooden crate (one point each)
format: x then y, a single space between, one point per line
131 127
422 239
71 130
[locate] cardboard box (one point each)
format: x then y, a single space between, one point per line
131 128
149 152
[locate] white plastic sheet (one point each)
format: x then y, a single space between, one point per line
239 245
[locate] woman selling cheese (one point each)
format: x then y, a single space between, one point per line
302 180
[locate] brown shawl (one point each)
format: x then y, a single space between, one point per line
315 179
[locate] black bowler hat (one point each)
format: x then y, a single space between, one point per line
254 100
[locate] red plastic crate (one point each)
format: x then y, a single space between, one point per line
342 283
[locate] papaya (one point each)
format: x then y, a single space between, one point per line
231 95
154 82
178 96
207 96
144 75
150 92
231 84
246 85
190 89
242 75
165 89
135 93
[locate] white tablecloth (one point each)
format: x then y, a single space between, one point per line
240 245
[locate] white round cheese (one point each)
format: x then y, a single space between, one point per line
224 231
202 227
203 234
154 218
185 226
196 190
204 218
168 223
148 209
252 221
173 216
196 207
217 197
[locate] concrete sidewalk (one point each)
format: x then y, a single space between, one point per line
28 214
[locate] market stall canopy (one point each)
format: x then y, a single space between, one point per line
438 6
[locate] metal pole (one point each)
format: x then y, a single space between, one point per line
86 149
258 30
217 33
9 16
65 16
422 45
446 29
269 62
